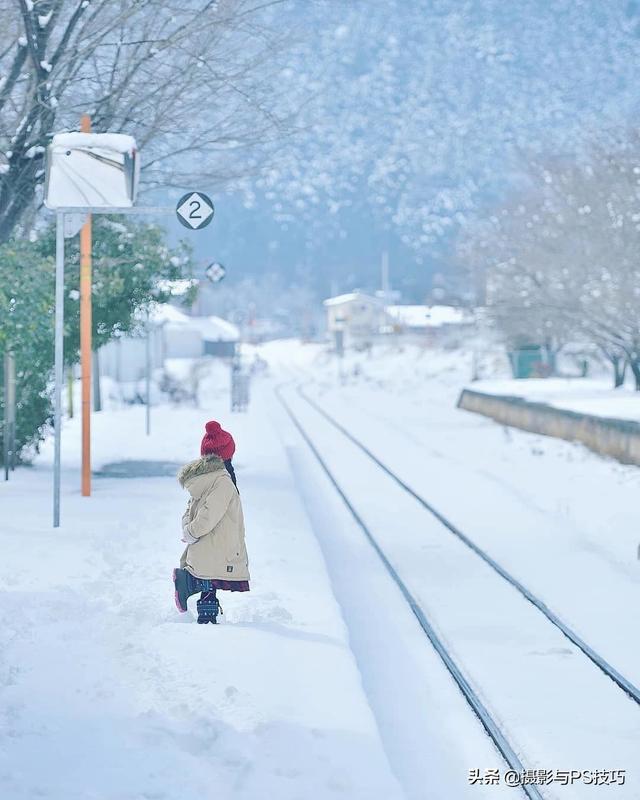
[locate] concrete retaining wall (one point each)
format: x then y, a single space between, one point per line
617 438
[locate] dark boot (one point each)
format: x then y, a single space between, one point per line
208 608
183 582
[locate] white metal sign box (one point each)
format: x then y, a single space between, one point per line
91 169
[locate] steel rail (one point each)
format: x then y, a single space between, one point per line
624 683
491 727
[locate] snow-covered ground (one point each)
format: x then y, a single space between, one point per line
107 692
585 395
319 683
548 508
561 519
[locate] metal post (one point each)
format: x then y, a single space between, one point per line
11 408
70 392
475 372
59 355
95 379
148 376
6 427
385 277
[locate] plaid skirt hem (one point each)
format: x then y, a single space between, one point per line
209 584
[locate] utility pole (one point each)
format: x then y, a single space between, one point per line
85 338
384 278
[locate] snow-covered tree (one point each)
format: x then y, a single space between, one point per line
193 81
561 259
422 110
386 121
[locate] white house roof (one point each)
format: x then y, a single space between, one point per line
163 313
427 316
215 329
350 297
211 329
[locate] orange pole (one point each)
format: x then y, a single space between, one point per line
85 339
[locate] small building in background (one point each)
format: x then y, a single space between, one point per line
124 358
181 338
438 324
172 335
414 319
219 337
357 318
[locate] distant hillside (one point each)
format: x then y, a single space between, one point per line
413 116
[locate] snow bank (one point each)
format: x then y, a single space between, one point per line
583 395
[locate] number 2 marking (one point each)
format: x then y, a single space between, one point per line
192 213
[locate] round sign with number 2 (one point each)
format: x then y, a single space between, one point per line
195 210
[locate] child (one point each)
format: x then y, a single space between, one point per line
212 527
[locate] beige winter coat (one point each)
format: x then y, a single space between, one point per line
214 519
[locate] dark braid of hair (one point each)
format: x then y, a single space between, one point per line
232 472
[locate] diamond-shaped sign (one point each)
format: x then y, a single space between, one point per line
215 272
195 210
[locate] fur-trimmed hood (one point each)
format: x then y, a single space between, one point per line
201 466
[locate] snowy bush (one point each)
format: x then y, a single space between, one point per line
128 263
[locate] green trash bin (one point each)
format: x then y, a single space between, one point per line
526 361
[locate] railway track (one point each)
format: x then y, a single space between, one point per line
493 728
624 683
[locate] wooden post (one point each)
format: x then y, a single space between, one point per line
85 339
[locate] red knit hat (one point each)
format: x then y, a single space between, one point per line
217 442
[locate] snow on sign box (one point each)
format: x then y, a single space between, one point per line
99 170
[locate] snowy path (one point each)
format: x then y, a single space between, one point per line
530 676
117 697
